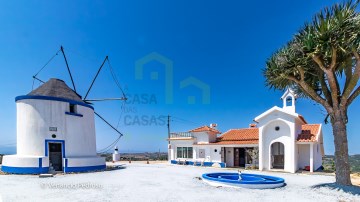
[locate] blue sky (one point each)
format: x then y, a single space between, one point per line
223 45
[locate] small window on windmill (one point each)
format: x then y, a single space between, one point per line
72 108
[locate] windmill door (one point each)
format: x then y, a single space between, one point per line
55 156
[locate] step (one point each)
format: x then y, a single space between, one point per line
46 175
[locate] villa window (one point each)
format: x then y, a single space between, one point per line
184 152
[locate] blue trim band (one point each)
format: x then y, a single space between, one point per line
74 114
41 97
206 164
55 141
39 170
84 168
24 170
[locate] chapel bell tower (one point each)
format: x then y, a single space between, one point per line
289 99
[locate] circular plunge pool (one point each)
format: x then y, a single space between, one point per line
245 180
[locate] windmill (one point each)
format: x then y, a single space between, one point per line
56 128
85 98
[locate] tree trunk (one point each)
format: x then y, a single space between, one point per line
341 150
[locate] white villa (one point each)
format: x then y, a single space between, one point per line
281 137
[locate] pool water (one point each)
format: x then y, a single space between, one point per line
245 180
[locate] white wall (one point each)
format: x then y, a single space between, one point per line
24 161
210 154
179 143
80 130
303 155
298 128
215 156
201 137
317 156
86 161
212 137
229 156
171 155
34 117
33 122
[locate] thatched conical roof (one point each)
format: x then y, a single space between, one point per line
56 88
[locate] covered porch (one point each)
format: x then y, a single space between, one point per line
239 156
307 156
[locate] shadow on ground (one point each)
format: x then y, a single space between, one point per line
355 190
115 167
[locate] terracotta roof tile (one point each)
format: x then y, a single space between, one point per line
232 142
238 136
302 118
308 133
244 134
205 129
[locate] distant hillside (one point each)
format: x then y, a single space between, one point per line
139 156
329 162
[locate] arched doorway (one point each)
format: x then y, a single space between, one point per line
277 155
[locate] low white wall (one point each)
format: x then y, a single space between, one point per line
81 162
24 161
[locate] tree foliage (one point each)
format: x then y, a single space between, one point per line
323 53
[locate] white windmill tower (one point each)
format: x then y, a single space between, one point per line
56 130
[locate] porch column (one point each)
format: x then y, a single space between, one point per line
311 157
169 153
